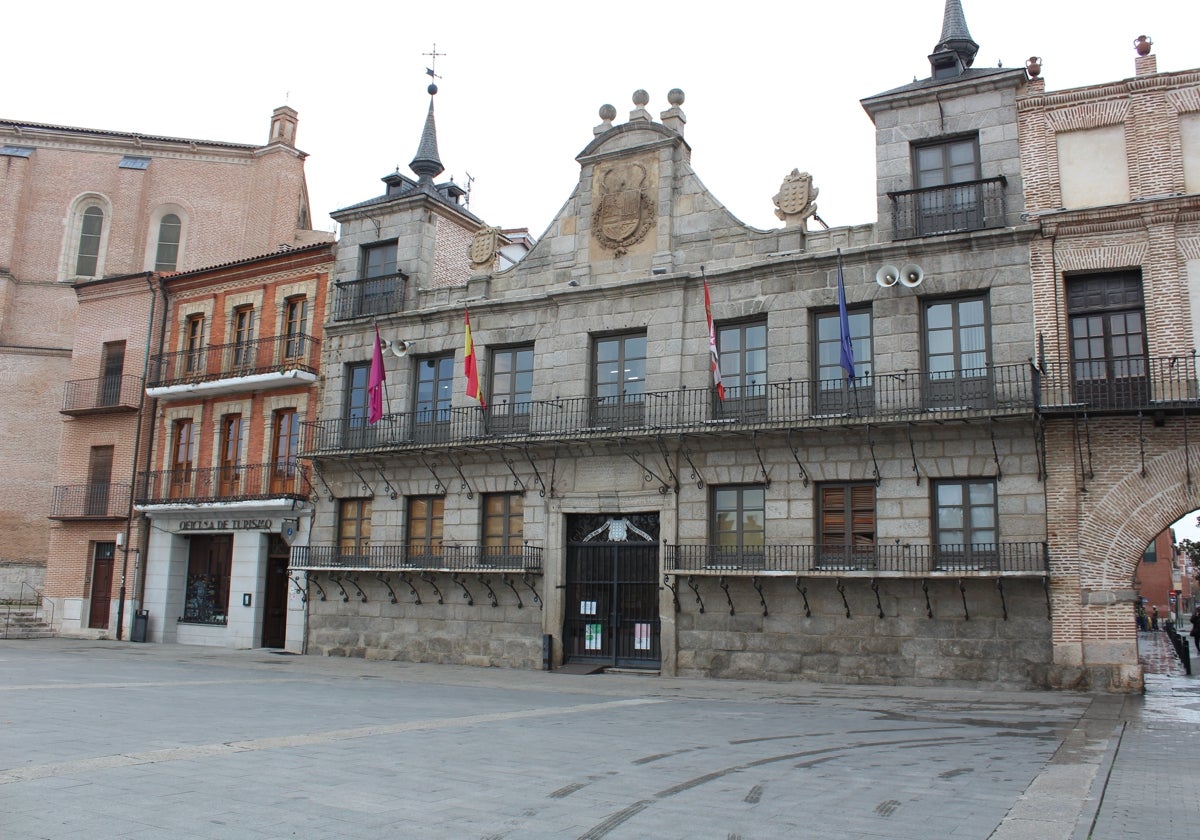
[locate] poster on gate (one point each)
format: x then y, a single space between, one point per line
641 637
591 637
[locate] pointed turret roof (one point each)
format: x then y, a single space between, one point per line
427 165
955 36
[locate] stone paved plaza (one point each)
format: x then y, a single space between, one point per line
109 739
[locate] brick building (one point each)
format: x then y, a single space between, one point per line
862 499
1112 177
222 487
91 220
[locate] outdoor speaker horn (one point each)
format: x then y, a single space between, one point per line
399 347
887 276
912 275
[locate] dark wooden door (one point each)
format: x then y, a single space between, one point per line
102 577
275 594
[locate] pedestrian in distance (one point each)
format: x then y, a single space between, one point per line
1195 631
1154 618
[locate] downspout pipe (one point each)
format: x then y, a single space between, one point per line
137 438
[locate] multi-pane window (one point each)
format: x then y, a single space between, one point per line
738 525
834 392
183 457
285 445
91 230
1108 339
243 337
295 327
355 429
166 256
965 515
354 528
949 162
378 260
193 344
846 523
434 389
210 562
743 352
949 199
231 454
956 354
512 389
503 526
619 380
425 515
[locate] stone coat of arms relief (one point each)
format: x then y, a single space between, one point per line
624 211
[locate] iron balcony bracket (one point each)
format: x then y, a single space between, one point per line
404 576
438 486
674 593
796 456
995 453
874 460
354 582
508 462
490 592
537 476
724 584
507 581
687 454
525 579
666 456
913 451
366 485
649 474
458 469
391 490
431 579
928 604
962 588
461 581
1046 587
312 579
1003 603
345 595
762 467
382 578
803 590
300 589
757 584
691 582
841 588
875 589
321 478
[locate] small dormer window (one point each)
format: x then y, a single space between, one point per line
134 162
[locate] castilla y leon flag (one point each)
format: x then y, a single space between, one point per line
470 369
375 383
712 344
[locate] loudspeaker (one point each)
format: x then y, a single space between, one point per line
887 276
912 275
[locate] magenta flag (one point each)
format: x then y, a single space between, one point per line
375 383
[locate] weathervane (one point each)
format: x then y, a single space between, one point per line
429 71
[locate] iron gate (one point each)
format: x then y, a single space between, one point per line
612 592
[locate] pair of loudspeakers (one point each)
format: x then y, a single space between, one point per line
911 275
398 348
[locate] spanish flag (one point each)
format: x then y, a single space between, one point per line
470 369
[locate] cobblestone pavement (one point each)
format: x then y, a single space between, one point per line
112 739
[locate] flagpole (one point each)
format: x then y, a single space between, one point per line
847 354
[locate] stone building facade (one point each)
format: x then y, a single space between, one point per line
1112 175
222 487
93 220
860 498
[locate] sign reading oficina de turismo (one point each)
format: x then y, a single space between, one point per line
226 525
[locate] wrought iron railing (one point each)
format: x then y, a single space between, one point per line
970 205
1132 383
102 394
383 558
1030 558
90 501
279 479
278 354
909 395
369 296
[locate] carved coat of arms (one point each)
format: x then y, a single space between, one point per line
482 252
796 198
624 212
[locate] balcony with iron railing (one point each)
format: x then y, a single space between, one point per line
907 396
244 482
434 558
251 365
1121 385
953 208
90 501
102 395
368 296
1006 559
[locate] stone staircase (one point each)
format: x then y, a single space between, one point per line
22 621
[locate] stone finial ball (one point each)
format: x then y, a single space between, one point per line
641 98
675 97
608 113
432 89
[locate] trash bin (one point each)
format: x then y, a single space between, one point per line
141 619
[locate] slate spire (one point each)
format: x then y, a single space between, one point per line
955 51
427 165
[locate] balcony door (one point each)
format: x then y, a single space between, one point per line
100 460
183 458
956 355
947 202
112 365
1108 340
619 388
434 389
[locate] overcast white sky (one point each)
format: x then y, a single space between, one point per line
770 85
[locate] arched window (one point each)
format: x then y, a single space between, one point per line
167 256
91 231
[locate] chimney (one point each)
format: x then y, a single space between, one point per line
283 126
1145 64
